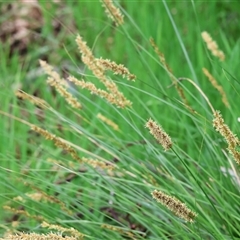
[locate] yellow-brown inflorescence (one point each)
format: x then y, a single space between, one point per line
119 230
90 61
36 236
114 96
174 205
162 59
98 164
35 100
231 139
57 141
53 236
212 46
34 196
61 229
217 86
113 12
110 97
23 212
117 69
49 70
162 137
108 121
63 145
64 93
41 195
60 84
170 72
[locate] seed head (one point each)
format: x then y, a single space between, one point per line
212 46
162 137
174 205
113 12
231 139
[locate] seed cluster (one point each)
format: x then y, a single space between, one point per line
174 205
162 137
217 86
231 139
212 46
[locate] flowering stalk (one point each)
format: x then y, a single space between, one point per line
113 12
161 136
174 205
212 46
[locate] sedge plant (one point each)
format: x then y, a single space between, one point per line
127 140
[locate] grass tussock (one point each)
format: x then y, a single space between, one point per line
77 160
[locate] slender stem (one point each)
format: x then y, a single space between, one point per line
200 90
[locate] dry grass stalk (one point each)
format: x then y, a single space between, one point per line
36 196
23 212
64 93
60 84
90 61
33 196
57 141
161 136
174 205
61 229
15 224
62 144
119 230
200 91
217 86
162 60
98 164
68 164
35 100
35 236
212 46
18 199
119 101
99 72
49 70
113 12
117 69
170 72
41 195
231 139
108 121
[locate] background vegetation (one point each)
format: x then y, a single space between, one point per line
198 171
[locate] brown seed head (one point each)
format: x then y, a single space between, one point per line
35 100
174 205
113 12
118 69
231 139
162 137
212 46
98 70
217 86
64 93
49 70
115 98
36 236
108 121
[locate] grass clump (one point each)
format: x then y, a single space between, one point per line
78 161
